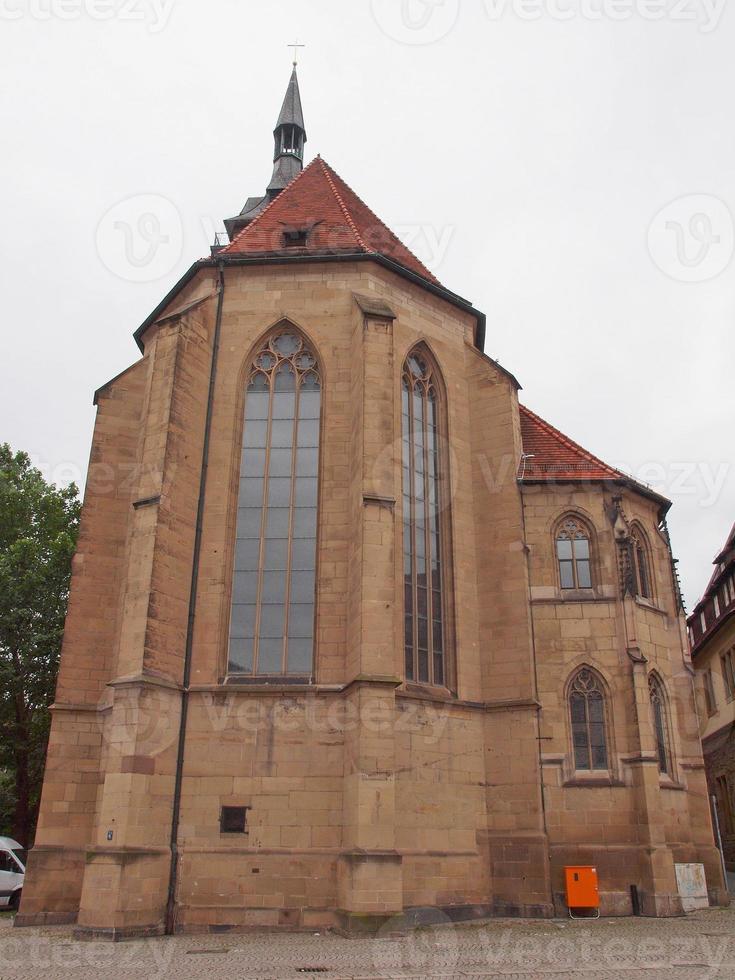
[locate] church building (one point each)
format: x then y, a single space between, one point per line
353 632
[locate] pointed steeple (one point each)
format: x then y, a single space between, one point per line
290 137
288 157
291 112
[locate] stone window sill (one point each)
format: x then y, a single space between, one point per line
577 595
573 595
592 780
268 683
429 691
666 782
649 604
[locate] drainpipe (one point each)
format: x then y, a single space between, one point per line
535 666
176 812
718 837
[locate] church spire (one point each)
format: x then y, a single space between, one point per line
288 156
290 137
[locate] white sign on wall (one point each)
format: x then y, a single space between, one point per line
692 885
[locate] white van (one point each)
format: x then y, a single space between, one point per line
12 871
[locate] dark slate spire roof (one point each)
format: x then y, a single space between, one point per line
291 112
288 157
285 167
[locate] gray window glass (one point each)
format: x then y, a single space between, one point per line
274 582
424 645
573 556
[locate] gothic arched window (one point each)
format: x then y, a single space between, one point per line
573 555
273 592
425 641
587 714
660 722
641 563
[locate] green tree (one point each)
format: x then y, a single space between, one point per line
38 531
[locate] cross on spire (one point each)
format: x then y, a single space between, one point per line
296 47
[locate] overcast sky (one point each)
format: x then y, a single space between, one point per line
567 165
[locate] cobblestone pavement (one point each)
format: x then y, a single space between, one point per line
700 945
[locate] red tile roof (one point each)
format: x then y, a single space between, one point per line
338 221
556 456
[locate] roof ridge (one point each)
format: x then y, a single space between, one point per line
569 442
270 204
430 275
343 207
349 223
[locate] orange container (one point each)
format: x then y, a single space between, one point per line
582 889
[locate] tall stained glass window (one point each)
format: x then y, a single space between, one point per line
587 711
274 581
424 630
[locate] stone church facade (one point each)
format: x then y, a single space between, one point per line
352 631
